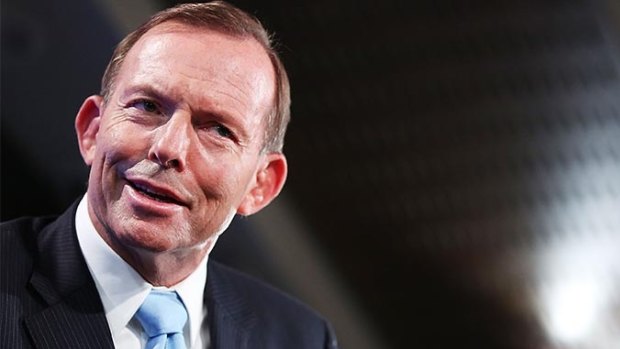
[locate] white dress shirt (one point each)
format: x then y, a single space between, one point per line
122 289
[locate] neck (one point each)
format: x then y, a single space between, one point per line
160 268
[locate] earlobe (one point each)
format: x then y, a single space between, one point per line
268 184
87 126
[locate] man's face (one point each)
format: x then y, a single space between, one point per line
176 150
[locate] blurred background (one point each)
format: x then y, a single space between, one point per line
454 165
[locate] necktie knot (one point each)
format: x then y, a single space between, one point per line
163 317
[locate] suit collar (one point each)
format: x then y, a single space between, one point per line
60 268
231 318
61 278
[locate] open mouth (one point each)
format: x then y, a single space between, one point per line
157 196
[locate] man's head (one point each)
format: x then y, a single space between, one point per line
177 143
224 18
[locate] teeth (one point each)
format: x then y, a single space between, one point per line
152 194
146 190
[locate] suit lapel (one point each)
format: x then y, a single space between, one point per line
74 317
76 322
231 319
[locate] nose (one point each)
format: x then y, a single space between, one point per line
171 144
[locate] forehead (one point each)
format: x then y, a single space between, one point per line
215 41
173 52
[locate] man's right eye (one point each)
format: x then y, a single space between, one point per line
147 106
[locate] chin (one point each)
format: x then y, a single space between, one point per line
149 236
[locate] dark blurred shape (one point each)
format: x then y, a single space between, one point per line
14 202
53 53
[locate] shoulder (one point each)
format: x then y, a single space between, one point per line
278 315
19 235
18 243
25 225
258 294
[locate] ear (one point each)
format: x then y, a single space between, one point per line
87 126
269 180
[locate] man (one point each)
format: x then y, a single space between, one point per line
187 132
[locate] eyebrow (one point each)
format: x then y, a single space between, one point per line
147 90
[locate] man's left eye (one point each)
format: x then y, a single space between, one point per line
223 131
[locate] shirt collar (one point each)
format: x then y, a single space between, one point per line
122 289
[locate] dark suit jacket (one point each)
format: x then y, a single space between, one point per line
49 300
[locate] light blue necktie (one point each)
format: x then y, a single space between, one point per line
163 316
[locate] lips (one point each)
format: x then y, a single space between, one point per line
156 193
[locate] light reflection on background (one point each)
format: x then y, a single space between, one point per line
579 282
577 302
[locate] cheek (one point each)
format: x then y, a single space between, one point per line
116 151
213 180
118 144
223 180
